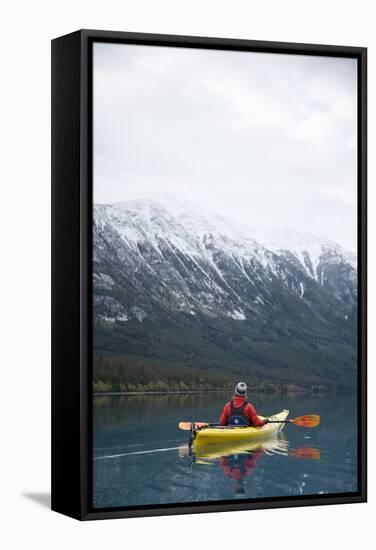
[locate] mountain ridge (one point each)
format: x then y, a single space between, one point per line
155 267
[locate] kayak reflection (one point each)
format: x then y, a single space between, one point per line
276 445
239 461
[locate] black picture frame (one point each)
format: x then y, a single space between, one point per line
72 136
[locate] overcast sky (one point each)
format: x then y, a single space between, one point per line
264 139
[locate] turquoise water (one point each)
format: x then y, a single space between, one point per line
141 458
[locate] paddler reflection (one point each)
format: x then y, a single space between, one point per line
240 461
236 461
238 467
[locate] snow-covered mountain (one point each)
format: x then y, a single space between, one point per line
308 249
209 264
174 265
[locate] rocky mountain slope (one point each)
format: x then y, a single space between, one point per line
177 287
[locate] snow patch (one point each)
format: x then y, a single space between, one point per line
139 314
237 314
109 319
123 317
301 290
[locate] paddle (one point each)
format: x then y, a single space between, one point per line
187 426
305 421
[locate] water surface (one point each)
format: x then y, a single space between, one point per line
140 456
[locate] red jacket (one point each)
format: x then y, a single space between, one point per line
248 411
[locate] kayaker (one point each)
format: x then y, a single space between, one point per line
238 412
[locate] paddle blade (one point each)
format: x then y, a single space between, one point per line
187 426
183 451
306 452
307 421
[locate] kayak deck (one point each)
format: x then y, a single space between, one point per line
232 435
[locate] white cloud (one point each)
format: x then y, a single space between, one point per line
262 138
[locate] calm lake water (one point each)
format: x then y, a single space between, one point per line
141 457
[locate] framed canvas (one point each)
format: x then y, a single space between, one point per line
208 274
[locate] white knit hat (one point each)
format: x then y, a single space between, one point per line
241 389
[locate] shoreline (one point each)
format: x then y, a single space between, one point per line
198 392
169 392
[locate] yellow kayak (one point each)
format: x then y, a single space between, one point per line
209 438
